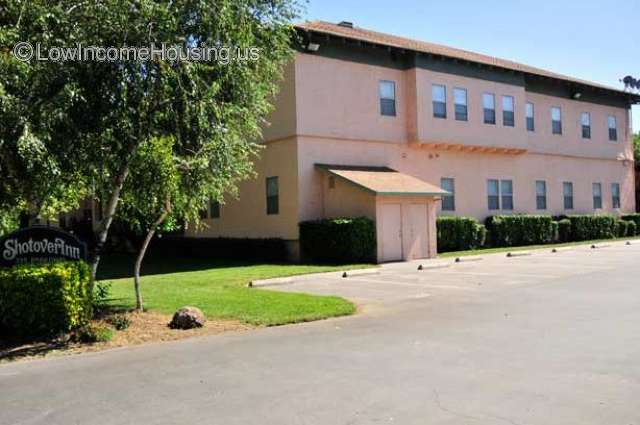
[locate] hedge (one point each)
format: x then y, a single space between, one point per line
518 230
459 234
44 299
564 230
635 218
589 227
338 240
632 228
241 249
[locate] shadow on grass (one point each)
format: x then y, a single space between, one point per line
118 266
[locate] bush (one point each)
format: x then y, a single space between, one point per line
338 240
243 249
459 233
635 218
555 228
90 334
621 228
44 299
518 230
589 227
120 322
564 230
632 228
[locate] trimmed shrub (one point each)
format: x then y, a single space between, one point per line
632 228
44 299
635 218
564 230
555 228
338 240
243 249
518 230
621 228
589 227
90 334
459 234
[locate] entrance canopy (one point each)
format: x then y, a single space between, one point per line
383 181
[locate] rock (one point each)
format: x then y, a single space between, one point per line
188 318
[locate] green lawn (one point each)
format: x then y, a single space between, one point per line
220 290
526 248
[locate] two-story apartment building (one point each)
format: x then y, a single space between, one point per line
370 124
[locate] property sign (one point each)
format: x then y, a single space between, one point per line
40 244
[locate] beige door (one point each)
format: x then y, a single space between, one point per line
418 231
391 232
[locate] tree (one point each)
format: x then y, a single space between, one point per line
110 109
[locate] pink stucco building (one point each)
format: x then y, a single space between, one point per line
369 124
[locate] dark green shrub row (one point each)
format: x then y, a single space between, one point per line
44 299
564 230
635 218
589 227
517 230
338 240
459 234
243 249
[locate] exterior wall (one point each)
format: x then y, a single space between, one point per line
470 171
472 132
282 121
339 99
246 217
345 200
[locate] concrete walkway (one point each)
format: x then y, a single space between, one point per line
543 339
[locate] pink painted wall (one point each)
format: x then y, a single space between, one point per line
470 171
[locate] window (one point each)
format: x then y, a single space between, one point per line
556 120
541 195
506 190
460 101
507 111
530 119
567 193
613 128
388 98
500 192
214 209
615 195
448 201
585 119
272 195
439 97
597 195
492 194
489 108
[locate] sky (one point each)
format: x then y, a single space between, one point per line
595 40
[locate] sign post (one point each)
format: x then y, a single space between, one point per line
40 244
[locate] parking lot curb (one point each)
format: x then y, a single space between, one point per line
468 259
286 280
518 254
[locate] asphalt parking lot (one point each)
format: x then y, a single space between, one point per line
540 339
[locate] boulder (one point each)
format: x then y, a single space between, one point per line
188 318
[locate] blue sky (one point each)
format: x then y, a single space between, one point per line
595 40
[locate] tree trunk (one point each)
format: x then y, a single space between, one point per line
103 231
141 253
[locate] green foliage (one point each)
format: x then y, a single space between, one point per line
101 296
90 334
44 299
85 121
338 240
459 233
632 228
590 227
120 322
564 230
621 228
635 218
9 221
518 230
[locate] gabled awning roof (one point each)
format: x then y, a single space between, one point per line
382 180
